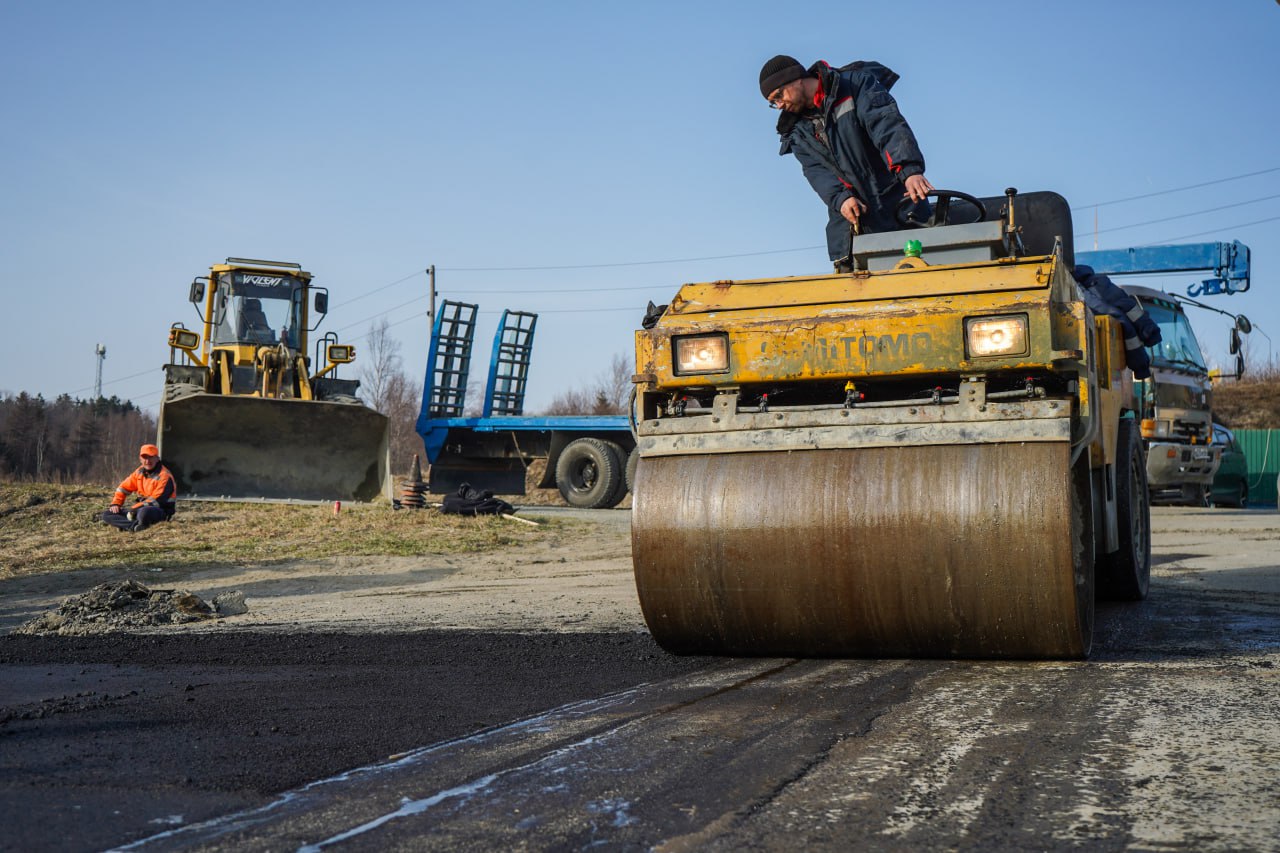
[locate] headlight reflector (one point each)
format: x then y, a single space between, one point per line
702 354
183 339
996 336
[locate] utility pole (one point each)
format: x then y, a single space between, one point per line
97 385
431 294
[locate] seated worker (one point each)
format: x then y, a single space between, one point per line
155 494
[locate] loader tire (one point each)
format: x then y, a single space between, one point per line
590 474
1126 574
178 390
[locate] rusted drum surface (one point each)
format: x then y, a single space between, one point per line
978 550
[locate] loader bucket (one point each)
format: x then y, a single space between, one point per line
254 448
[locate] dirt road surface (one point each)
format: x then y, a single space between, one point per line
513 700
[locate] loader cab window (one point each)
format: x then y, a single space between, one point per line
258 309
1178 346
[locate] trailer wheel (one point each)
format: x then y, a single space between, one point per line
1126 574
589 474
633 460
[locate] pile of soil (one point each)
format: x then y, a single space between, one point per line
128 604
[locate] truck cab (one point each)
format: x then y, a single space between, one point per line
1174 406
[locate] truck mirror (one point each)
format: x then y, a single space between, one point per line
1239 366
1235 342
1243 324
322 303
197 291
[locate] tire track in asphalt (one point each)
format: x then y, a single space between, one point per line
1167 741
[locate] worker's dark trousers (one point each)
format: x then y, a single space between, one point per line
143 517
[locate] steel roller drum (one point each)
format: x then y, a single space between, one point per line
924 551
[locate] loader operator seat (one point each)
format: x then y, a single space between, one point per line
254 326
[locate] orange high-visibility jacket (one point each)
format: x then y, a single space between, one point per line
151 487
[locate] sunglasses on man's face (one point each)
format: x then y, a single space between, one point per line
775 97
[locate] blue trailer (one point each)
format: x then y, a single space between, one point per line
589 458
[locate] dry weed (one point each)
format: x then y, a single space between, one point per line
1251 403
46 527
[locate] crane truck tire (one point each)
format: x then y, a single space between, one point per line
590 473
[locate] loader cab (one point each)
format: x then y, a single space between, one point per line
258 308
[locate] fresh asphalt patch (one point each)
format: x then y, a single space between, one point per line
201 725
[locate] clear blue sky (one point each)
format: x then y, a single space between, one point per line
143 141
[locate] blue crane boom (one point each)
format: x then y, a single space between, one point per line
1229 263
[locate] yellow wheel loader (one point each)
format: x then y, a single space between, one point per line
927 456
244 417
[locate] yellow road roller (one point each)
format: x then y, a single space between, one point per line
244 416
928 456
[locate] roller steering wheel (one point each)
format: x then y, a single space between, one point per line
905 214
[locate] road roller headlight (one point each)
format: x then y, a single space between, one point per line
702 354
996 336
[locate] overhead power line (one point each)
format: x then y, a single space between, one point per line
1178 189
1185 215
627 263
1214 231
555 267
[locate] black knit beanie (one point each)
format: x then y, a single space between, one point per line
780 71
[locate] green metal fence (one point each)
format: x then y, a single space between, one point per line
1262 449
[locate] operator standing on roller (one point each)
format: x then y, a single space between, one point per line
856 149
155 490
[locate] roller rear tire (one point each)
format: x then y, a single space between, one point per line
1126 574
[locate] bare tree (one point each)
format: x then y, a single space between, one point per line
389 391
616 382
381 360
607 394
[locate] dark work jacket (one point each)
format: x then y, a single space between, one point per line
855 143
1106 297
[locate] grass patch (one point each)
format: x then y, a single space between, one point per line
46 527
1251 403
